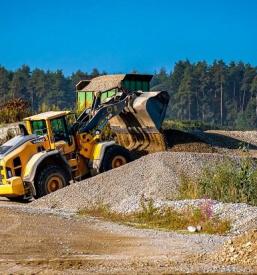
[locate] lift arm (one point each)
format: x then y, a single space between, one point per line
95 119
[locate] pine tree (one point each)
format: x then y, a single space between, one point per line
218 72
94 73
201 82
4 84
254 93
184 95
248 77
77 76
38 89
19 83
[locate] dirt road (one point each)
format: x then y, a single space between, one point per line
34 242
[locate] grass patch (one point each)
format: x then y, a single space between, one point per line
226 182
151 217
187 125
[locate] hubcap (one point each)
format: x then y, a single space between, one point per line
53 184
118 161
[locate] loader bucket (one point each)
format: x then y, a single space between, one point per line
138 127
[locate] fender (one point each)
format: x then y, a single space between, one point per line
36 160
98 155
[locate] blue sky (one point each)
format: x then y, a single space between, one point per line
123 35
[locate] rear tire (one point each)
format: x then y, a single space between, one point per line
50 179
115 156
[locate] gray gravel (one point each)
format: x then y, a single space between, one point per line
154 176
244 136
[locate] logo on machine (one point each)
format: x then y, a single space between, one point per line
38 140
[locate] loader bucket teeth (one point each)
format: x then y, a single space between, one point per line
138 126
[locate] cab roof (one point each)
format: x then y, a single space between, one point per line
48 115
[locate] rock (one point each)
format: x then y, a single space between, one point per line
243 251
199 228
231 249
192 229
248 244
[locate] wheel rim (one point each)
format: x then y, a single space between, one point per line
54 183
118 161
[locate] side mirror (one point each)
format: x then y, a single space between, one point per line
23 130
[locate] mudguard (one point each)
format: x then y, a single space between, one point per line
98 155
37 159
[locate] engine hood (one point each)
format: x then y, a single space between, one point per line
14 143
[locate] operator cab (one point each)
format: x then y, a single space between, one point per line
54 124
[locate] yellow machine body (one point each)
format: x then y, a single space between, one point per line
18 166
57 147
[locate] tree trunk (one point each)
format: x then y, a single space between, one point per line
202 106
32 100
243 101
189 107
197 105
181 113
221 103
256 104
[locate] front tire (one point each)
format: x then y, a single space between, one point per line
50 179
20 199
115 156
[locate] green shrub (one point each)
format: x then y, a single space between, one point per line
151 217
14 110
188 188
226 182
188 125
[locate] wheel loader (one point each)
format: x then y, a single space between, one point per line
56 147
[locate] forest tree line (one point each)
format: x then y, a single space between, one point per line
219 94
44 90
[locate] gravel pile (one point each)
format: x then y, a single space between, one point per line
180 141
104 83
229 139
245 136
155 176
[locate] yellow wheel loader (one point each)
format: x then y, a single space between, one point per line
57 147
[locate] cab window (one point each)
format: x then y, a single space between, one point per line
59 129
70 121
39 127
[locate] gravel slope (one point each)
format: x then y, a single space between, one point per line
154 176
245 136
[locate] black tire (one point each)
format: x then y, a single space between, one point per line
114 157
20 199
50 179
